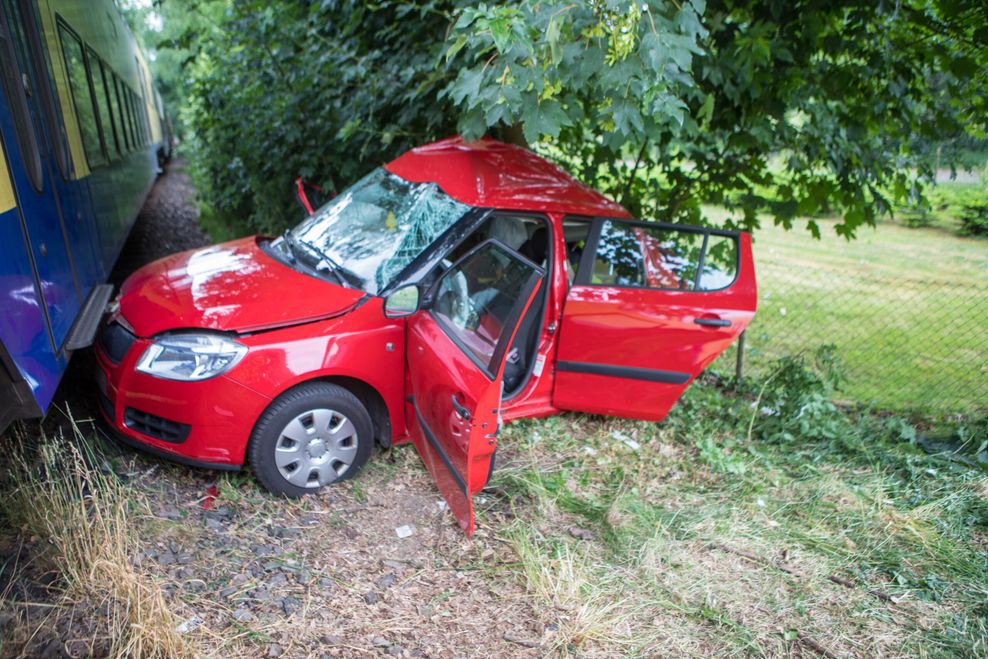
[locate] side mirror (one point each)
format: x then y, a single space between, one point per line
402 302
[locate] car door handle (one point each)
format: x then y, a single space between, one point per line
712 322
461 409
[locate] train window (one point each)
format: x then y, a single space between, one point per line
82 96
139 106
128 114
111 97
102 104
145 90
13 84
31 34
145 125
120 111
137 123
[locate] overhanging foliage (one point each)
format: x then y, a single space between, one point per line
796 107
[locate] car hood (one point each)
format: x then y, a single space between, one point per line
233 286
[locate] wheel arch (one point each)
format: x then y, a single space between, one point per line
366 393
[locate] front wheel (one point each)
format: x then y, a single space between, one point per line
313 435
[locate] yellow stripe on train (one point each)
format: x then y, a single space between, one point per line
7 198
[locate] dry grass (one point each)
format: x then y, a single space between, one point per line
84 516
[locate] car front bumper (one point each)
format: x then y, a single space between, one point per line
205 423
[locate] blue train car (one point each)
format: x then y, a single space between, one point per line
82 137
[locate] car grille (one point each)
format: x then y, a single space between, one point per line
116 341
155 426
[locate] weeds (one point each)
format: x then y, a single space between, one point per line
85 515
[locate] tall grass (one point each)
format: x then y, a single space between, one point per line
54 492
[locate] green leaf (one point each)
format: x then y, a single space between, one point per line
501 32
553 36
543 119
456 47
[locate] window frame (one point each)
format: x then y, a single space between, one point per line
128 114
11 79
38 54
584 272
64 29
122 113
107 74
511 320
95 66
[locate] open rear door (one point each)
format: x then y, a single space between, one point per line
456 349
651 306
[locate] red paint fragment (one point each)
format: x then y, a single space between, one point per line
211 495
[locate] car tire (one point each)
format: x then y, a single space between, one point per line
311 436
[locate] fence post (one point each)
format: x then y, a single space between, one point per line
739 367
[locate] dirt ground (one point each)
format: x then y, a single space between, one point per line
254 575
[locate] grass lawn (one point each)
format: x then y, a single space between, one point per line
701 543
907 309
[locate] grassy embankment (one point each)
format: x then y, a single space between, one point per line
828 535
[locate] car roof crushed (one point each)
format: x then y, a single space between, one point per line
488 173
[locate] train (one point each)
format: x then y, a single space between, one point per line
83 136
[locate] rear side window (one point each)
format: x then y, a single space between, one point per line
637 255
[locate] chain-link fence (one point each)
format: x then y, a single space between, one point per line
907 310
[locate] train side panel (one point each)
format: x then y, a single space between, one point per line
70 194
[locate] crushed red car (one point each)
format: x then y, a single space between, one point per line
459 286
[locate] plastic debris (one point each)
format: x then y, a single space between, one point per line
208 501
627 441
406 531
190 625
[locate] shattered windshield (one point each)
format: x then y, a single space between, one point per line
377 226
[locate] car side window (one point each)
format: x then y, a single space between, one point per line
636 255
474 299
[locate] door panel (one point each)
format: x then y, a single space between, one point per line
456 352
627 346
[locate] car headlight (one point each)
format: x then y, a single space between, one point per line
191 357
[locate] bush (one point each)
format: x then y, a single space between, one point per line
974 219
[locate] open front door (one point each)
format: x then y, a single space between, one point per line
651 306
456 349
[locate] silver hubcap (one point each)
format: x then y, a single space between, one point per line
316 448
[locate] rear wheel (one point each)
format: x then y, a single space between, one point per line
309 437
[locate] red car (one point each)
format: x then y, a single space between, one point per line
459 286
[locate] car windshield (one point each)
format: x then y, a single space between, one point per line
378 226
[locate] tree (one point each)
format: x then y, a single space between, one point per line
796 107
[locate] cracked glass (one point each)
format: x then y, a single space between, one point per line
378 226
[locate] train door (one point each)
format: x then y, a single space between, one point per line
27 147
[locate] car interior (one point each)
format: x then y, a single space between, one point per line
529 236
